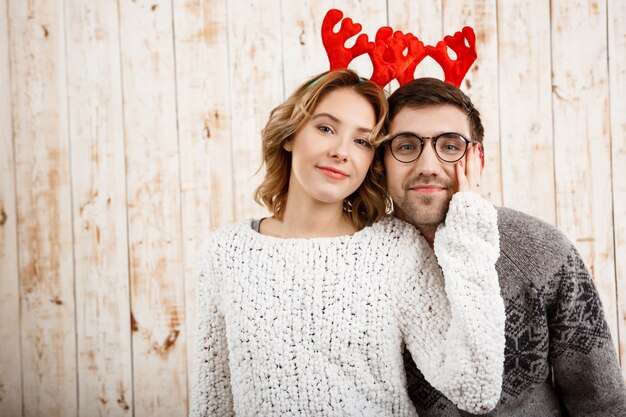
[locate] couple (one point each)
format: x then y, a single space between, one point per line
307 312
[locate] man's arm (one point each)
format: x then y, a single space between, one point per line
586 370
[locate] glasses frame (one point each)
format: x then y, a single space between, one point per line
433 142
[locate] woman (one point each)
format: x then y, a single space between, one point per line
306 312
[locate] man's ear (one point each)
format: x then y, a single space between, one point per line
288 145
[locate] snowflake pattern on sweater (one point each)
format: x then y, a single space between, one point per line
317 326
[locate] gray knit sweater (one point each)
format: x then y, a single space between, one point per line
559 358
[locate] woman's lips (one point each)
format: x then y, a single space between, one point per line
333 172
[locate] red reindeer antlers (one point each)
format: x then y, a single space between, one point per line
387 51
455 70
388 56
334 43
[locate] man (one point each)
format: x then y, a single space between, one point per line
559 358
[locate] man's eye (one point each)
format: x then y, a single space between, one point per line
407 147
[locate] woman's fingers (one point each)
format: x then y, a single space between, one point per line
469 169
473 171
462 183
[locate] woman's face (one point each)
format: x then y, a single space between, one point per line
331 153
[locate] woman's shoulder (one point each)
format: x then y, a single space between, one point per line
226 235
392 226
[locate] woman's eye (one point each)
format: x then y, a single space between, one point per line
325 129
363 142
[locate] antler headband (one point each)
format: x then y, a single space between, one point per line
387 51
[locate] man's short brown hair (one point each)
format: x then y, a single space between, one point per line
424 92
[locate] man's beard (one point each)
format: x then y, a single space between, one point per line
423 210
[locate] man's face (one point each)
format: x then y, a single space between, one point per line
422 190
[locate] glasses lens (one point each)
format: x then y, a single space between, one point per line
451 146
406 147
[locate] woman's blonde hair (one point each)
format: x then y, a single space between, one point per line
370 201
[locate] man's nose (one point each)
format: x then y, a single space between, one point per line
428 163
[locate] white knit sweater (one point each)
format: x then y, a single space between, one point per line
315 327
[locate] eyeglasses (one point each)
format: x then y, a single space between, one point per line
449 147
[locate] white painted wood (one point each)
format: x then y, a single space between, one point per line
582 142
10 355
617 92
99 210
153 194
166 103
42 170
204 126
256 86
525 98
481 83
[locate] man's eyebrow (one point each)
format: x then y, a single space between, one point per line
336 120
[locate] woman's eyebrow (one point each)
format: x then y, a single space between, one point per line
330 116
336 120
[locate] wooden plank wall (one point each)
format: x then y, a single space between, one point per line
130 129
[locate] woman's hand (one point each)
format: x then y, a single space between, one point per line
469 169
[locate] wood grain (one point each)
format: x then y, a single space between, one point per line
153 195
256 86
42 170
526 127
582 148
99 208
10 354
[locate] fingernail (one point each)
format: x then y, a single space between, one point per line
461 163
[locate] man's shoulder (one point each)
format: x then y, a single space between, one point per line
533 253
522 232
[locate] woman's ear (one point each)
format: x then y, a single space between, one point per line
288 145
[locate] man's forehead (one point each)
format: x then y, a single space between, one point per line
443 117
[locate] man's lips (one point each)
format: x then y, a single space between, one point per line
427 188
333 172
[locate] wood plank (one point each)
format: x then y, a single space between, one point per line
48 339
10 355
481 83
153 194
256 85
303 52
204 125
582 150
617 89
99 207
526 108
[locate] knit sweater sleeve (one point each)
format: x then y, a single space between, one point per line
586 369
454 323
211 394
